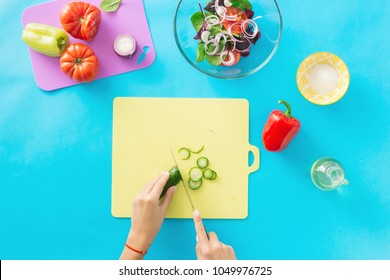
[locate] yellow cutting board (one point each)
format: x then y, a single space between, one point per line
144 131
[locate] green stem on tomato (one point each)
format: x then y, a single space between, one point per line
78 60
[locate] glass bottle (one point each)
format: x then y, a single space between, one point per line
328 174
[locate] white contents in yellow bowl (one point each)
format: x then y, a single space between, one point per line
323 78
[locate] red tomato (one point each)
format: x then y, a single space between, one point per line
81 20
241 16
79 62
237 57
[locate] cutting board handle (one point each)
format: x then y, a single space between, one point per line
256 158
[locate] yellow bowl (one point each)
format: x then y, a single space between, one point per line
306 88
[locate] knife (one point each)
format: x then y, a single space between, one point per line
186 190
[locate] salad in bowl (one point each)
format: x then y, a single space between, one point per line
226 30
228 38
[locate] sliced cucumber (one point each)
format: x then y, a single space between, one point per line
202 162
196 174
197 150
194 185
184 153
208 173
214 176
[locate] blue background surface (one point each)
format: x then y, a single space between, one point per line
55 147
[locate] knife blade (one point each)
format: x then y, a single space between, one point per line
182 181
186 190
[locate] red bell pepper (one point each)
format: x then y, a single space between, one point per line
280 129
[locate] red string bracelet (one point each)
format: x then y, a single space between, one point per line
135 250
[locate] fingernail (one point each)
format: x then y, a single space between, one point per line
196 237
196 213
174 188
164 172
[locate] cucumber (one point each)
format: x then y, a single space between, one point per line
201 170
194 185
214 176
184 153
202 162
208 173
174 179
196 150
196 174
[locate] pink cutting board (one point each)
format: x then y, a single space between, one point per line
129 18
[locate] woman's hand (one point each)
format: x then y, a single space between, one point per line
148 216
208 247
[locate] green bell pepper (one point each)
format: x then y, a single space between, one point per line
45 39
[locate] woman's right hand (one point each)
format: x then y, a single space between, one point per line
208 247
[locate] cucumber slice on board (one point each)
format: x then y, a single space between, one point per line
194 185
214 176
184 153
208 173
196 174
202 162
196 150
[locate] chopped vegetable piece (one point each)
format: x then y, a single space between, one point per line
202 162
214 176
194 185
196 174
184 153
125 45
230 58
174 179
208 173
197 150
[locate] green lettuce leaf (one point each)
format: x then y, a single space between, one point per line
242 4
214 60
200 53
110 5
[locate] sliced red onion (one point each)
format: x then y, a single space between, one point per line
231 58
230 38
221 11
256 18
253 24
219 36
205 36
206 47
214 20
230 28
125 45
231 18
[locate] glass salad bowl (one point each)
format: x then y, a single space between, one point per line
228 39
